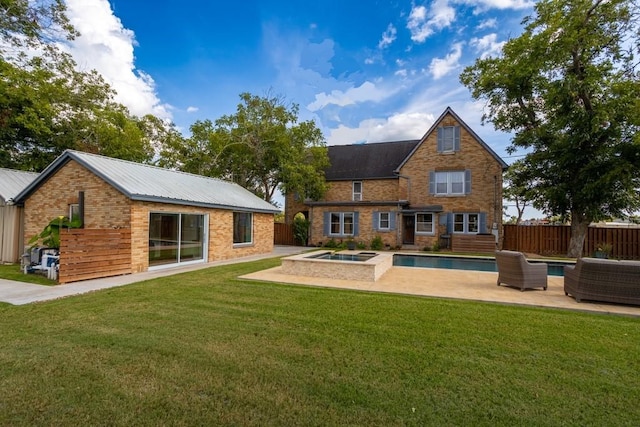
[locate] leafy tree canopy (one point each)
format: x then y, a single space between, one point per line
47 106
569 88
262 147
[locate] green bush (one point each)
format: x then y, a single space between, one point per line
331 243
377 243
361 245
301 230
436 247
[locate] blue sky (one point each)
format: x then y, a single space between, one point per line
365 71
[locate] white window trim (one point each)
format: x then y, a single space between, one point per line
465 223
388 214
356 195
342 215
450 183
433 224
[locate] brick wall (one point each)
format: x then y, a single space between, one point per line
365 221
486 176
221 245
372 190
104 206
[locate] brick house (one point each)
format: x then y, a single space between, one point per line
445 186
174 217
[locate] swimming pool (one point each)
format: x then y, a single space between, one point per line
460 263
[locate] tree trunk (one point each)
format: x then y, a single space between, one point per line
579 225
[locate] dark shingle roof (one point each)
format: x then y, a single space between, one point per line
367 161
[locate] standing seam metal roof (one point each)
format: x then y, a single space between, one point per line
12 182
155 184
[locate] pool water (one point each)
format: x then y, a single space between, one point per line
362 256
454 263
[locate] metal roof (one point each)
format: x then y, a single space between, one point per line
13 182
153 184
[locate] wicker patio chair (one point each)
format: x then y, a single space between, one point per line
514 270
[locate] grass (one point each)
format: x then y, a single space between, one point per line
204 348
13 272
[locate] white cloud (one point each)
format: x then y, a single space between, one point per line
401 73
488 23
487 46
367 91
106 46
423 23
388 37
192 109
398 127
499 4
440 67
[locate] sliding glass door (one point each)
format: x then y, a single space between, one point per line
175 238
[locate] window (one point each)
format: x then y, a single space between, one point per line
357 191
424 223
448 139
342 223
466 223
383 220
74 212
450 183
242 227
175 238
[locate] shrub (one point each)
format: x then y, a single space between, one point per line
331 243
436 247
301 229
361 245
377 243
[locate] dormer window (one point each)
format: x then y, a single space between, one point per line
357 191
448 139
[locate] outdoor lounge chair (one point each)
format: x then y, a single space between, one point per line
514 270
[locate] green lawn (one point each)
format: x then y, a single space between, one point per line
13 272
204 348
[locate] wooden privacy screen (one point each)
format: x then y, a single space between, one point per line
94 253
554 240
473 243
283 234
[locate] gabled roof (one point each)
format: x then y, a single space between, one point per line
13 182
153 184
448 110
367 161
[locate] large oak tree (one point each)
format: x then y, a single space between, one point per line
262 147
569 88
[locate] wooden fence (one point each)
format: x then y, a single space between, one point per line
283 234
554 240
94 253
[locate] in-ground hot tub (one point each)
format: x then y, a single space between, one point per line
345 265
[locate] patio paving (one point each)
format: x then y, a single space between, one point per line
456 284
